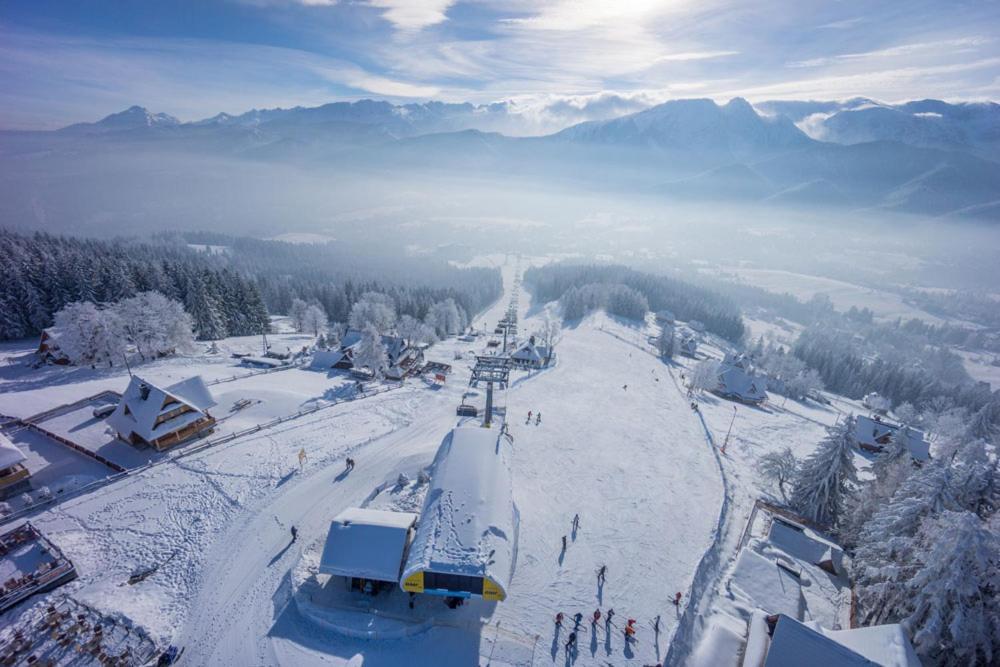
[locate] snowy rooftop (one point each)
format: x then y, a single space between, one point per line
367 543
736 378
138 414
469 523
9 453
876 432
804 544
324 360
764 585
792 641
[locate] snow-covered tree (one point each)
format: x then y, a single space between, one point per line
414 331
446 317
778 467
985 423
209 324
334 334
890 468
952 599
90 335
314 320
886 545
705 375
298 314
804 384
665 342
156 325
823 480
550 333
370 352
975 480
374 308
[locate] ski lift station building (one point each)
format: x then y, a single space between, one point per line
366 545
466 540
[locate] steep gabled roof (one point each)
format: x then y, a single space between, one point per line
9 453
143 402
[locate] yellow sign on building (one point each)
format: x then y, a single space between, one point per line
491 591
414 583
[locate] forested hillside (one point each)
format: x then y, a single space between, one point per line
336 274
227 288
686 301
42 273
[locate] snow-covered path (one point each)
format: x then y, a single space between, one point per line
635 465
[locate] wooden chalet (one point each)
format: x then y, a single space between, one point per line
14 475
162 417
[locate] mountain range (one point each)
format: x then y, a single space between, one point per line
925 157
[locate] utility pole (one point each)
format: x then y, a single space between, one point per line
127 367
726 441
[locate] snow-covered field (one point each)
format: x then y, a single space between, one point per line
885 304
618 443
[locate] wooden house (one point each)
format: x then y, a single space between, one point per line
162 417
14 475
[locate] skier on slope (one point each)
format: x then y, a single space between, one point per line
538 418
600 574
295 533
559 619
677 599
571 642
564 543
630 630
529 418
607 619
576 522
597 616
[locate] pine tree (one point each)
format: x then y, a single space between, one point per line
665 341
823 480
886 545
208 323
952 599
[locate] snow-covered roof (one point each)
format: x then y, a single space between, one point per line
804 544
395 346
323 360
766 586
468 525
138 415
737 380
873 432
367 544
793 641
530 352
887 644
269 362
9 453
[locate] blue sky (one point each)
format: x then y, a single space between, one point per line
65 61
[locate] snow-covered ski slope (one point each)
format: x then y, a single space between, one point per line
635 463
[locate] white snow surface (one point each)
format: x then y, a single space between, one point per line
617 443
366 543
468 522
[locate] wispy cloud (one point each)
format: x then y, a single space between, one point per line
945 46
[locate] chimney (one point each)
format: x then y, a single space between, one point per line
144 391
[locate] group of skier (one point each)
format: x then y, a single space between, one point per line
538 417
630 628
